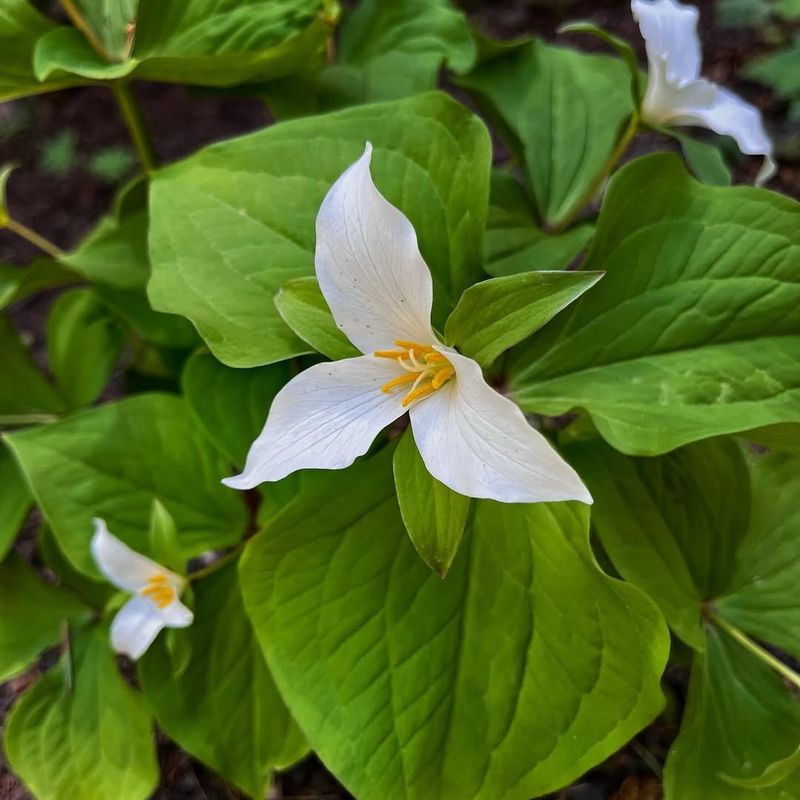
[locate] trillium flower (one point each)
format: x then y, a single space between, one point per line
380 293
154 605
677 95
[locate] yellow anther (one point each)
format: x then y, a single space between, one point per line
159 590
427 370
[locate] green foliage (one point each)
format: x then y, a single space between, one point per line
693 330
238 217
114 461
223 707
18 283
5 172
385 673
99 727
58 155
15 500
33 618
561 111
433 515
111 164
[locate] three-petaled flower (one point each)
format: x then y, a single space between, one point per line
677 95
156 591
380 293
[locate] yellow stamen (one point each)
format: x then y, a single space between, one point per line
159 590
428 370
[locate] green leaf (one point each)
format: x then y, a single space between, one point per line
740 723
704 159
114 460
494 315
164 543
17 283
515 243
781 70
398 48
223 708
99 728
303 308
620 47
20 26
671 525
764 596
695 328
64 53
15 500
476 686
434 515
783 438
5 172
24 390
562 111
231 405
233 223
83 345
109 24
33 615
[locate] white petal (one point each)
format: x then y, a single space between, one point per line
670 35
123 567
176 615
135 627
324 418
479 444
729 115
369 266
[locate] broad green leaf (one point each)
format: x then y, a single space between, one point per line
780 70
233 223
33 615
24 391
477 686
20 26
398 48
740 733
223 707
90 738
515 243
17 283
83 345
671 525
562 111
704 159
15 500
764 596
164 543
64 54
433 514
114 460
303 308
108 24
231 405
694 330
115 251
783 438
494 315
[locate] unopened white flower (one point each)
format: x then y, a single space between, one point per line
677 95
154 605
380 293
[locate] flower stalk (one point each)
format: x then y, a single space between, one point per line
134 121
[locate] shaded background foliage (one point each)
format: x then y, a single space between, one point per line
74 153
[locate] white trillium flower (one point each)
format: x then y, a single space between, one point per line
677 95
155 604
380 293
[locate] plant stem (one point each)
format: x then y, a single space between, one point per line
218 564
34 238
764 655
13 420
592 189
134 120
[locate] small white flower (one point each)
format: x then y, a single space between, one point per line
380 293
155 604
677 95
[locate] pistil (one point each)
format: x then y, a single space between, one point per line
426 370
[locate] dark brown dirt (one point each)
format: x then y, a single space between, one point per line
64 209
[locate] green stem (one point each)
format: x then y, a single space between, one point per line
13 420
134 120
218 564
34 238
592 189
764 655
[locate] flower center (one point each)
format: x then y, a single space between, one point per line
159 590
426 370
